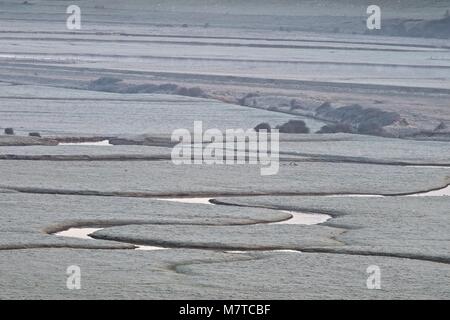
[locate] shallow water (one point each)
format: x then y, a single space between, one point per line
355 195
79 233
103 143
188 200
305 218
84 233
277 250
297 217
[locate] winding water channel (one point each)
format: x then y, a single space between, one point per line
299 218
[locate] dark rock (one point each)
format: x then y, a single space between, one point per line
348 114
294 104
263 126
365 120
243 101
12 140
335 128
34 134
126 141
370 127
441 126
9 131
106 81
107 84
167 87
182 91
293 126
143 88
110 84
196 92
324 108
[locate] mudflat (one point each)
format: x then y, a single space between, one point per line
87 177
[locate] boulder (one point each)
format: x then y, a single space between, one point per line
263 126
9 131
335 128
293 126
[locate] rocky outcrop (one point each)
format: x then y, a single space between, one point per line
144 140
356 119
110 84
34 134
8 140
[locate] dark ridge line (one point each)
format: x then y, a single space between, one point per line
130 157
328 223
103 224
373 162
422 192
176 245
316 250
138 194
96 22
65 246
317 157
175 266
112 157
333 214
146 24
78 55
216 44
379 254
245 251
280 208
74 158
181 101
93 22
216 78
102 33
